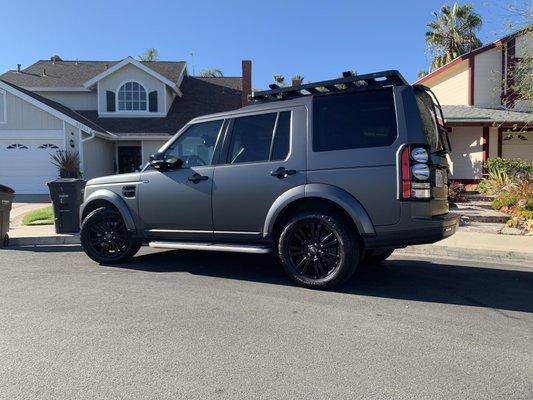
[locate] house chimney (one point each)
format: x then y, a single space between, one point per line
246 81
296 81
106 66
18 68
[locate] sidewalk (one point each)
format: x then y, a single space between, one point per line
38 235
479 246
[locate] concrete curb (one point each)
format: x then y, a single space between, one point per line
44 240
469 254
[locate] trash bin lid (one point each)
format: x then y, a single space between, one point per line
6 189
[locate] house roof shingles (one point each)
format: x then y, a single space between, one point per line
461 113
201 96
73 74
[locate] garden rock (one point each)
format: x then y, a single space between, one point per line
511 231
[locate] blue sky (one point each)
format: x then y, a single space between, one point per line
315 38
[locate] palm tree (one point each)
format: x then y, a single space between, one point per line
452 33
279 80
149 55
212 73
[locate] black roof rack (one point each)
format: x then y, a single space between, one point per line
348 82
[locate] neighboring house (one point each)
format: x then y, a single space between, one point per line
115 114
486 117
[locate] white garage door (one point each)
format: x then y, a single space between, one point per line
25 164
518 145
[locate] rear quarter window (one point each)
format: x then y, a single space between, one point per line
354 120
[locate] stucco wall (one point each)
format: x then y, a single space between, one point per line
74 100
488 78
123 75
98 156
493 142
451 87
21 115
466 160
150 147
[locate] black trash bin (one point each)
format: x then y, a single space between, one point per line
67 196
6 200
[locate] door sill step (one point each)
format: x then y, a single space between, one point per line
229 247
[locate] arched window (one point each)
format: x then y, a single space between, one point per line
132 97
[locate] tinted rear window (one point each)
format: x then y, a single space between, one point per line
427 118
354 120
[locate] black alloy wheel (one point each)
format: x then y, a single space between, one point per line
318 250
105 238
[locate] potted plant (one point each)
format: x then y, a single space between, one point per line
68 164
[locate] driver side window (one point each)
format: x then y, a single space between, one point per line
196 146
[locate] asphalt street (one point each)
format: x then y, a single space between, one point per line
186 325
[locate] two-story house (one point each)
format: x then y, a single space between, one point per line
115 114
484 114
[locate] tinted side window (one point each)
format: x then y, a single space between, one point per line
354 120
281 144
196 145
251 138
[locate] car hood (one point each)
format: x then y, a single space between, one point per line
120 178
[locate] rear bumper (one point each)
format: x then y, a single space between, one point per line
422 231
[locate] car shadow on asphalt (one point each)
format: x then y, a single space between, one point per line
439 281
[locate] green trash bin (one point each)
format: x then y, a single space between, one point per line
6 200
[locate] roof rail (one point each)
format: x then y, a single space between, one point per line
348 82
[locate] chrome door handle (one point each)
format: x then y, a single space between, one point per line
197 178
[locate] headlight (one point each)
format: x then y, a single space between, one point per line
420 172
419 154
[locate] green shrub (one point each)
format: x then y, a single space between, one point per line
508 168
504 200
527 214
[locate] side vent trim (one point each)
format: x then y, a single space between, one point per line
128 191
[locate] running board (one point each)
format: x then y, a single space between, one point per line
234 248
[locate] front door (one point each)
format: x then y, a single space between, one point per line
176 204
129 159
264 157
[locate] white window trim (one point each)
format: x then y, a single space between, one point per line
3 119
118 111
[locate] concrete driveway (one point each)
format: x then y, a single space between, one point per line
23 204
183 325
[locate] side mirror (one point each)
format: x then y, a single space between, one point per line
160 162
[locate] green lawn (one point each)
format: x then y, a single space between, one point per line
42 216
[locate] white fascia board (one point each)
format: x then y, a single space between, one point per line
129 60
48 109
56 89
43 107
139 137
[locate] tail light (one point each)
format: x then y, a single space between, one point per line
415 173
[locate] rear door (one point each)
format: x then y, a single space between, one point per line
263 157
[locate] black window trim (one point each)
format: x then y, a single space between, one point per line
229 133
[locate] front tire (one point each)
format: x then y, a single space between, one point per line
318 250
105 238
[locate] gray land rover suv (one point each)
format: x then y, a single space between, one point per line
326 175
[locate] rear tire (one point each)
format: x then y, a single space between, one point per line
105 238
318 250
